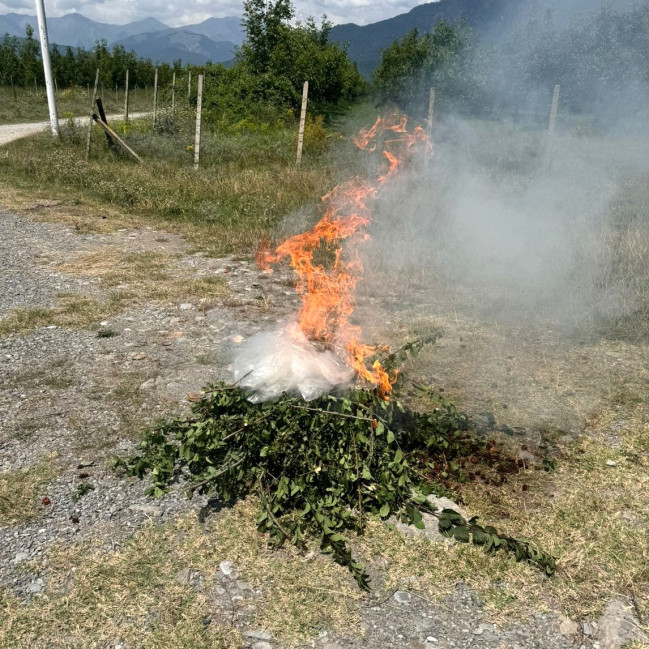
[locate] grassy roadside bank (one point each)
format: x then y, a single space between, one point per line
246 184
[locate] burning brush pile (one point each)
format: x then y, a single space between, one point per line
322 456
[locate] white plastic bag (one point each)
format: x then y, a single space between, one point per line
285 361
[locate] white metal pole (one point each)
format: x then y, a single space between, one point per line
47 67
199 108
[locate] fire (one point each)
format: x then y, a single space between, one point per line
327 273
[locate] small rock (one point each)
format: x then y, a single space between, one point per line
402 597
611 463
35 586
186 306
20 557
484 422
431 639
259 634
237 339
151 384
618 626
138 356
226 568
184 576
568 627
586 628
440 503
262 645
147 510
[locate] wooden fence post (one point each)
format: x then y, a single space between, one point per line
300 135
155 96
104 119
199 106
92 110
553 124
173 94
431 118
126 99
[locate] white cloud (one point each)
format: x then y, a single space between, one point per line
194 11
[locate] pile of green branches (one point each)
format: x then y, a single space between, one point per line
318 468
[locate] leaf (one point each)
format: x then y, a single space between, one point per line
384 512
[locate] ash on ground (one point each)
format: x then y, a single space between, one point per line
276 362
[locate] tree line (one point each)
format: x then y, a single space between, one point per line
264 82
20 64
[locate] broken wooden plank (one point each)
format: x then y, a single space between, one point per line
109 132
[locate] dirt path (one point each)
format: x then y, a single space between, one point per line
11 132
74 395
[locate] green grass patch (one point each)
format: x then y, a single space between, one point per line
21 492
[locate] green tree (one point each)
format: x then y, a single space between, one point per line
29 58
277 58
444 59
11 70
265 25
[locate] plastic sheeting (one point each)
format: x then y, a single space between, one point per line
272 363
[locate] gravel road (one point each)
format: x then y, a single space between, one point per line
11 132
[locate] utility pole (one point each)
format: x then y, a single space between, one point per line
47 67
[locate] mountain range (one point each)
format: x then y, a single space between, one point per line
493 20
216 39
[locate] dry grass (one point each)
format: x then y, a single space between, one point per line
144 275
593 517
55 206
133 278
21 492
72 311
94 597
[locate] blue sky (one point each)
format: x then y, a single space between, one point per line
192 11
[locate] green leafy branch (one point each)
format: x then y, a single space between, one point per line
318 469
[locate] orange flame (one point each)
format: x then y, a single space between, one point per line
327 291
